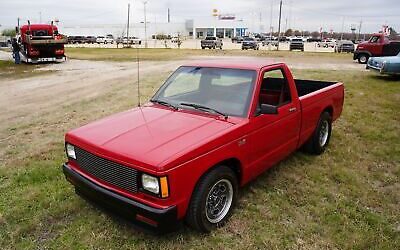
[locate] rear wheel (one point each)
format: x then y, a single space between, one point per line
320 138
213 199
363 58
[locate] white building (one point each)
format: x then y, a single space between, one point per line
199 27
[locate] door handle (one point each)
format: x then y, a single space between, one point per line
292 109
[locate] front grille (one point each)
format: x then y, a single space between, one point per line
108 171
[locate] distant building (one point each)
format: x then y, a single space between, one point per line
194 28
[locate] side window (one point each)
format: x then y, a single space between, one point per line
274 89
374 39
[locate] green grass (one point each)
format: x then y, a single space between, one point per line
347 198
129 54
10 70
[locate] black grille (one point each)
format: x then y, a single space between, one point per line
111 172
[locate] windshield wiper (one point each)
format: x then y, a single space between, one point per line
164 103
205 108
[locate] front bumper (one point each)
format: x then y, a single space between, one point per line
161 219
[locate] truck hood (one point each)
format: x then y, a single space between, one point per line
147 136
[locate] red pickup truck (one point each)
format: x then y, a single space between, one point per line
210 128
378 45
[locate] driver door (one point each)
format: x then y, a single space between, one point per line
274 135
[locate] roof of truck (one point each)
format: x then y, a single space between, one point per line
234 63
38 26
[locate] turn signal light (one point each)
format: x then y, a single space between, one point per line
164 187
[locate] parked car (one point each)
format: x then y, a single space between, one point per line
389 65
131 40
296 44
344 46
210 129
313 39
76 39
108 39
268 40
211 42
327 43
91 39
377 45
237 39
250 43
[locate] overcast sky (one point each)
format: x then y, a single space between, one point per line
297 14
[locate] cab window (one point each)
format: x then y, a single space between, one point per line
374 39
274 89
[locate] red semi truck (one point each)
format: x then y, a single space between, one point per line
41 43
378 45
211 128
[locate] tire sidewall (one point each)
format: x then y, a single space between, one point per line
219 173
324 117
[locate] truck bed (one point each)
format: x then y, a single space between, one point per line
305 87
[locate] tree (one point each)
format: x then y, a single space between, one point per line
9 32
393 34
288 32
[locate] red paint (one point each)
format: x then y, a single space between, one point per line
183 144
379 45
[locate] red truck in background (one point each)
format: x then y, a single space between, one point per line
41 43
378 45
210 128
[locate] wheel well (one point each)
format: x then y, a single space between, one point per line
329 110
235 165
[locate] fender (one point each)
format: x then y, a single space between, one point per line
359 52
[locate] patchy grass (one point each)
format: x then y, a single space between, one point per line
347 198
129 54
10 70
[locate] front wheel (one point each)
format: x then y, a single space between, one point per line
363 58
320 138
213 199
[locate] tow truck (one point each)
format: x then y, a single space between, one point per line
41 43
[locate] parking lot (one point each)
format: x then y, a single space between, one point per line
195 44
346 198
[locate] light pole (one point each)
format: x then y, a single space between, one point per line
145 24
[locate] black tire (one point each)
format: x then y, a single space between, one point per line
197 216
314 144
363 58
202 47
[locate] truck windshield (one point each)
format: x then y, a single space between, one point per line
210 38
225 91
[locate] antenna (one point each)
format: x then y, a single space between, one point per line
138 76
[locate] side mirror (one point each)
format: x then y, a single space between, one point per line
267 109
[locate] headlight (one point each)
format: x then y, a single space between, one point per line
70 151
150 183
156 185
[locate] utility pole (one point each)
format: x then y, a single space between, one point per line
270 22
127 26
145 24
359 30
169 17
279 25
341 35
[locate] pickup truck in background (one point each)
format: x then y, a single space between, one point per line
211 42
378 45
296 44
211 128
250 43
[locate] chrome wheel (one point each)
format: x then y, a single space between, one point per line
219 201
363 59
324 133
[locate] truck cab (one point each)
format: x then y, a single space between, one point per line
378 45
41 43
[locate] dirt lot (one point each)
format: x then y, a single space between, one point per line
346 198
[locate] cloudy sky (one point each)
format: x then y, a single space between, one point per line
297 14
